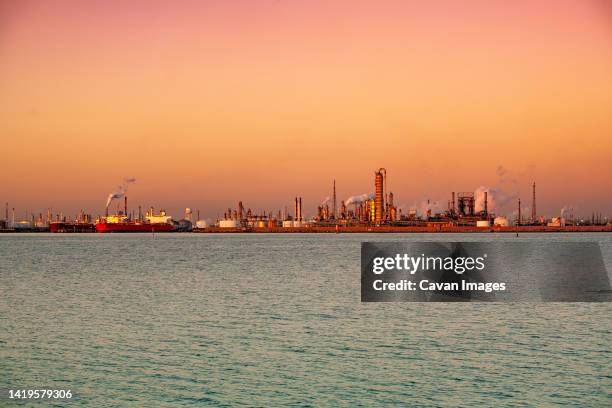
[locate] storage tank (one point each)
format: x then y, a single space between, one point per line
482 223
287 224
229 224
201 224
22 226
501 221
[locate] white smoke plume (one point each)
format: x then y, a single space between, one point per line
479 199
502 197
506 190
326 201
121 190
424 206
358 199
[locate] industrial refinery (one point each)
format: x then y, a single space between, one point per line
373 212
377 212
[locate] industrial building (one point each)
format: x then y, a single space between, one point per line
369 212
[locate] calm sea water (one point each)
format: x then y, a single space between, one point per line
268 320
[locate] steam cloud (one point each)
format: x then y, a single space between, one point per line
423 207
479 198
358 199
121 190
505 193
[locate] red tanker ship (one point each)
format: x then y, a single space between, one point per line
122 223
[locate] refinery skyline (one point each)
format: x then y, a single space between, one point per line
499 200
211 103
465 211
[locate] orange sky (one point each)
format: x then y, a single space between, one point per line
206 103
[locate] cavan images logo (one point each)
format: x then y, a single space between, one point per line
477 271
422 263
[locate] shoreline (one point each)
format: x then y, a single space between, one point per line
406 229
362 229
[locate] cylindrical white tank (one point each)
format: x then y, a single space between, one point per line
201 224
482 223
229 224
501 221
22 225
287 224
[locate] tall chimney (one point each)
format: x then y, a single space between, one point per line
125 205
453 203
300 209
486 203
295 209
533 205
335 214
518 220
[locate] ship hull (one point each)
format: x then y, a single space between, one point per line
133 227
57 227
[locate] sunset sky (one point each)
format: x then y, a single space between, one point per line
209 102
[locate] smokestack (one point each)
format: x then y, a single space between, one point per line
335 199
486 203
295 209
300 209
453 203
139 213
533 205
518 221
125 205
